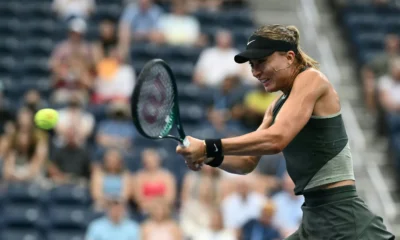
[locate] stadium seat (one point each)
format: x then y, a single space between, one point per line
35 67
22 215
38 10
371 40
9 9
23 192
7 66
206 18
191 113
69 217
363 22
21 234
41 47
9 46
65 235
105 11
70 194
9 27
39 28
190 92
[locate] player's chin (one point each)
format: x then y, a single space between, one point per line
271 88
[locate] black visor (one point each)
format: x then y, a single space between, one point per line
260 47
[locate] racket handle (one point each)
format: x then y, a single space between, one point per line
186 142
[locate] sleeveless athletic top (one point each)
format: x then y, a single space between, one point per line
319 154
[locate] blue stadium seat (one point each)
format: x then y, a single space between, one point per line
35 67
38 10
371 40
39 28
392 23
182 69
22 215
21 234
65 235
190 92
9 46
236 19
70 194
39 47
367 55
185 53
9 27
69 217
191 113
24 192
363 22
9 9
207 18
8 66
109 10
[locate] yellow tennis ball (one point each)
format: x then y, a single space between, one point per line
46 118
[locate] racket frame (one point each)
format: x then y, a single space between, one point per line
175 110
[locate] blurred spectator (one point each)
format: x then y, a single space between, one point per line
25 149
117 130
111 180
288 212
379 67
215 230
160 225
107 41
217 62
68 9
24 123
33 101
115 79
262 227
200 193
230 93
389 86
153 182
71 162
6 114
139 22
205 5
242 205
74 118
208 178
115 225
71 64
255 104
179 28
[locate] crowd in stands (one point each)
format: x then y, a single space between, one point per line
140 189
374 30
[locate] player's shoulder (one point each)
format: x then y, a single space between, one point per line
314 75
312 78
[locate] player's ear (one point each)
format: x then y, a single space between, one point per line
291 56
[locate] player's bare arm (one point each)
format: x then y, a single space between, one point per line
307 89
246 164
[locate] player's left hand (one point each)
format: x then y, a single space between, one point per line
194 154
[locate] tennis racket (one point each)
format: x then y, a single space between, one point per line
154 103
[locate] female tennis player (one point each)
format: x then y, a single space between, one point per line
304 123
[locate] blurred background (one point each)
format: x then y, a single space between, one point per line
94 177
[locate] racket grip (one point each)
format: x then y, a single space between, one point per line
186 142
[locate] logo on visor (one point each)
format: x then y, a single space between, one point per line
250 42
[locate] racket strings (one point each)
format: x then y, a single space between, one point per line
156 102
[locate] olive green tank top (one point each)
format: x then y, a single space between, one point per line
319 154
